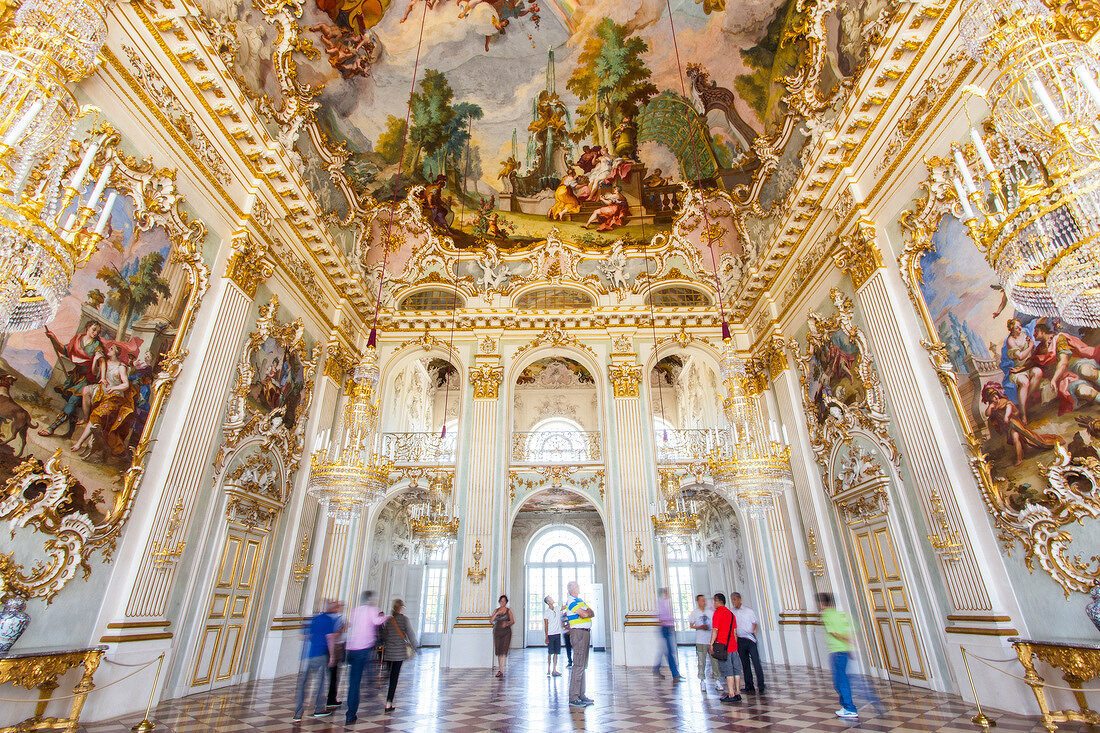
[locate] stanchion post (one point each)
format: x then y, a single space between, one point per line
147 725
980 719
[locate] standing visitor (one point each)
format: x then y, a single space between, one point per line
338 653
319 652
551 626
502 620
579 617
565 637
838 640
399 644
700 621
723 648
362 634
667 628
747 649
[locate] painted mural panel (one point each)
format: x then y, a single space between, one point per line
83 385
1029 382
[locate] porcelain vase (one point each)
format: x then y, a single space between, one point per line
13 622
1093 609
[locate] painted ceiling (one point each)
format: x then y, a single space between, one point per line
526 119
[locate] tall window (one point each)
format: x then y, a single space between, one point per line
555 557
679 584
434 607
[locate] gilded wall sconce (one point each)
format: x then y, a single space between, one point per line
476 574
946 542
816 564
302 569
639 570
165 553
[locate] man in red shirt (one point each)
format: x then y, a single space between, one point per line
724 631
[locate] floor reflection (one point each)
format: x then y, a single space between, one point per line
432 699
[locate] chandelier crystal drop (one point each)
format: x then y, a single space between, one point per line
353 473
434 524
675 519
44 233
753 467
1030 193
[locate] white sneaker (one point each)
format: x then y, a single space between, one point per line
842 713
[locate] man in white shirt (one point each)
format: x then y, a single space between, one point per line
551 626
700 619
747 624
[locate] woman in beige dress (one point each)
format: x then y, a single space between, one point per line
503 621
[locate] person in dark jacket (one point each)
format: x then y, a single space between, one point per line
396 634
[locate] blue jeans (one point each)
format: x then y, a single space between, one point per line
358 660
839 663
309 666
670 651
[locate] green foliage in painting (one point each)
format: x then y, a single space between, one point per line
131 295
432 113
389 142
610 79
774 57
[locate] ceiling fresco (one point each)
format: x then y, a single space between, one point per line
524 120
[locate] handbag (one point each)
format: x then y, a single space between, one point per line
719 650
410 650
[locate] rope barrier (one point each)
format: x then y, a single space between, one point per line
94 689
1025 680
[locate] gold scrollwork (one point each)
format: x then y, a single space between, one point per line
857 254
247 266
486 380
302 569
170 549
625 379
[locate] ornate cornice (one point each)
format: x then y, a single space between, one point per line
247 267
625 378
857 254
486 380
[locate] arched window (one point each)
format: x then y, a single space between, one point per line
557 440
554 298
557 555
677 296
432 300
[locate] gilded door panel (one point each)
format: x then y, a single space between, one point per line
888 642
885 546
226 646
914 660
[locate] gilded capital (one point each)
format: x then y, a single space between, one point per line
338 362
247 267
625 378
857 254
486 380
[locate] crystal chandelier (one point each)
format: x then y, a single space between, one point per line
354 472
43 234
1034 209
754 466
434 524
675 519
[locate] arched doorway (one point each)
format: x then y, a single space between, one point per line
556 556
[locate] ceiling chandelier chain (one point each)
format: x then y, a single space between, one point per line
44 217
1033 207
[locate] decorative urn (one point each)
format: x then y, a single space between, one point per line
13 622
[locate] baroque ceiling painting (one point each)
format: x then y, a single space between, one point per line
504 124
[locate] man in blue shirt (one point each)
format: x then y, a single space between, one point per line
318 655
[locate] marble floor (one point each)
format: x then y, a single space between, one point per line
430 699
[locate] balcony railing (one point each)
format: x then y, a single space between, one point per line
427 448
556 446
687 446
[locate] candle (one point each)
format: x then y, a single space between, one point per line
101 225
960 163
24 122
785 440
99 186
967 208
982 152
1040 91
1084 75
78 176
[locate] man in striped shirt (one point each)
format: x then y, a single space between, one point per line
579 616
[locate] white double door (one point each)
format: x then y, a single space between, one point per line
552 579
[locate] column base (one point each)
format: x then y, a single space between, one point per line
281 650
468 647
637 646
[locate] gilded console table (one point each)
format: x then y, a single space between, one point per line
42 669
1078 663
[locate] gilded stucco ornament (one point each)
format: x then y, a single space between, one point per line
857 254
247 424
248 266
486 380
1041 519
625 379
830 419
339 361
554 335
42 495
